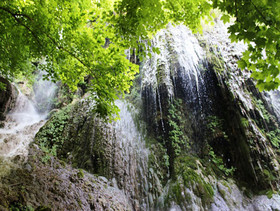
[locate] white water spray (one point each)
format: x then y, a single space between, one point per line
21 125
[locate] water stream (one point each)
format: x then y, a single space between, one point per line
22 123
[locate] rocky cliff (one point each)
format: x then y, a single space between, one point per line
194 134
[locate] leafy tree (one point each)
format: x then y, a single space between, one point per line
257 23
70 37
74 39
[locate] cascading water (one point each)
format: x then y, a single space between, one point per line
179 71
44 93
274 98
116 152
205 76
21 125
133 157
180 56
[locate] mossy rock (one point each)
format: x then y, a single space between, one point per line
189 175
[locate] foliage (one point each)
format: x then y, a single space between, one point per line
274 137
50 138
80 174
244 122
257 23
213 56
159 161
220 163
261 107
16 206
177 137
2 86
215 125
72 39
139 20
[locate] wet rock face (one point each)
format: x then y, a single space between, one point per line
113 150
7 98
56 186
204 117
221 105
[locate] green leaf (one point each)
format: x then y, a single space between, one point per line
242 64
225 18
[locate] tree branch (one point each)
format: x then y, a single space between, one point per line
14 15
263 17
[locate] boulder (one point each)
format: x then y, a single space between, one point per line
7 98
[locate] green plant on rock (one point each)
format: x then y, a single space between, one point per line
192 175
50 137
177 135
261 107
214 58
244 122
219 163
2 86
159 161
17 206
49 152
215 125
274 137
80 174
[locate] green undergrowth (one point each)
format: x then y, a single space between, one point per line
177 135
269 129
215 126
190 174
274 137
159 161
219 163
50 137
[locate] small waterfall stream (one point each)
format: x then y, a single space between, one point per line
132 157
22 123
274 98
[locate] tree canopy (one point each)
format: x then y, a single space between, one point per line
257 23
73 39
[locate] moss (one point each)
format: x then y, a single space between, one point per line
177 191
214 57
228 187
43 208
17 206
50 137
269 176
187 167
223 193
205 192
244 122
80 203
159 160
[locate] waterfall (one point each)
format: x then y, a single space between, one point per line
202 72
274 98
22 123
44 93
133 157
180 54
178 71
18 127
